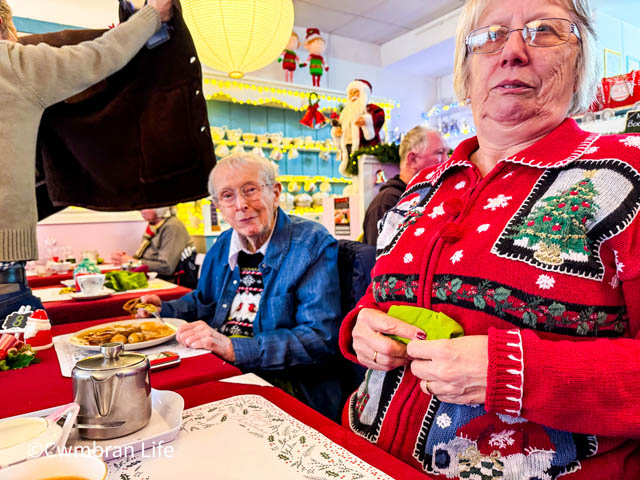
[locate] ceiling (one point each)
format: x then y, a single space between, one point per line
374 21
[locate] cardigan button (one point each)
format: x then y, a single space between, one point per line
451 232
235 282
454 206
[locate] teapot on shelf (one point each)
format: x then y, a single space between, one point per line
276 138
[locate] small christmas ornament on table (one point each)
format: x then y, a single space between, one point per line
316 46
15 353
289 58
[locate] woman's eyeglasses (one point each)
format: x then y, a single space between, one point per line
544 32
250 191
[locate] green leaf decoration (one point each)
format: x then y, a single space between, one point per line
530 319
602 318
392 281
501 294
583 328
479 302
441 294
456 284
385 153
408 292
557 309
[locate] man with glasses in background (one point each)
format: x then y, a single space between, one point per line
268 297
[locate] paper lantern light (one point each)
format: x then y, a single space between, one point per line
239 36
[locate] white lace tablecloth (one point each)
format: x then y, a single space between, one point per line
243 437
52 294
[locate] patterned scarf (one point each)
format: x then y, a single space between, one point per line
149 233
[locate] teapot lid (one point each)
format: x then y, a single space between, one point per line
111 356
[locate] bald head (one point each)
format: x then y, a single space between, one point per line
421 148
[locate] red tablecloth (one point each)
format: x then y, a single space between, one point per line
42 385
212 391
36 281
68 311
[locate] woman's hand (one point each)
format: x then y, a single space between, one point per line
163 7
376 351
200 335
453 370
153 300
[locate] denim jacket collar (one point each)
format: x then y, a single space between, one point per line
280 241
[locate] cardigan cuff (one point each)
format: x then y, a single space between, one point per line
18 244
151 15
346 329
246 351
505 374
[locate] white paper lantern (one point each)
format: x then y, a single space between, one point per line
239 36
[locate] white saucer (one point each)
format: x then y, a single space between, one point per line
104 293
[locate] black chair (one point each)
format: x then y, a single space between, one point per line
355 261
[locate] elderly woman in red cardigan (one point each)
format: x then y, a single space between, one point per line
529 238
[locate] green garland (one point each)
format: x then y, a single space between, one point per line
385 153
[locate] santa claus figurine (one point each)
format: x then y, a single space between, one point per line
289 58
359 122
315 45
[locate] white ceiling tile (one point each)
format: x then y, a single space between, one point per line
367 30
307 15
357 7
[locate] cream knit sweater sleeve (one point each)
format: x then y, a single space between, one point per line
49 75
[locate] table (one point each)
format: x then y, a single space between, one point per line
42 386
36 281
68 311
215 390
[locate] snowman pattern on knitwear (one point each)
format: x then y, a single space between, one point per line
570 212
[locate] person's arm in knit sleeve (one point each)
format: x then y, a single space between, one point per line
316 301
50 75
588 386
172 243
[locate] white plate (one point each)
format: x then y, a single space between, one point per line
33 446
175 322
105 292
71 283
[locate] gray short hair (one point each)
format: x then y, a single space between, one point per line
415 140
267 169
588 66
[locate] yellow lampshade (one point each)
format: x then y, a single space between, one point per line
239 36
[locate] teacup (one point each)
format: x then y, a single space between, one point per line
276 138
286 141
298 141
73 465
222 150
248 137
234 135
91 284
262 138
217 133
276 154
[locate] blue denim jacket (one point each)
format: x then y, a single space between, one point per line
298 317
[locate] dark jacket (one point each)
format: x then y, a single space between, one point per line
139 139
386 198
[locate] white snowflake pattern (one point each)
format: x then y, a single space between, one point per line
456 257
508 175
408 258
443 420
502 439
619 264
483 228
418 232
615 281
460 185
437 211
631 141
248 280
591 150
500 201
545 282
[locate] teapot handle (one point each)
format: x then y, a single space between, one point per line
71 411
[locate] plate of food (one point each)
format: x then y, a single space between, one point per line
135 334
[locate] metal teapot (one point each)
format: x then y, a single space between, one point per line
114 392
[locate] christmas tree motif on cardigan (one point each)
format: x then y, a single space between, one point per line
557 230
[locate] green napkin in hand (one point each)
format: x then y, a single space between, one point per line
435 324
121 281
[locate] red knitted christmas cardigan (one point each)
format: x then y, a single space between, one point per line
543 256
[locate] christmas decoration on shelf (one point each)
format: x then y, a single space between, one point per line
223 40
313 118
617 91
384 152
556 229
316 46
289 57
380 177
359 122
